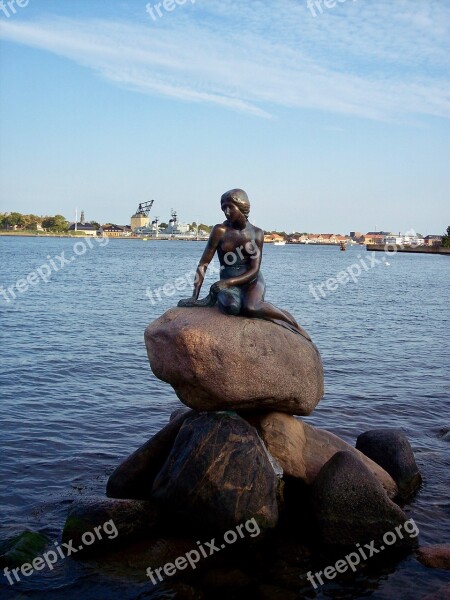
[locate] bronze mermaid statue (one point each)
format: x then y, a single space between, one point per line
241 288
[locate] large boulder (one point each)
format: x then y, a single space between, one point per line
134 477
218 475
222 362
391 449
302 450
352 507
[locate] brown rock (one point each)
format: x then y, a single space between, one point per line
351 506
218 475
436 556
134 477
302 450
222 362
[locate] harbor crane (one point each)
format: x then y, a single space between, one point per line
144 208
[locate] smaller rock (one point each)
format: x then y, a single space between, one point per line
436 556
218 475
287 576
95 524
444 433
272 592
174 591
351 506
134 477
302 450
391 449
22 548
222 579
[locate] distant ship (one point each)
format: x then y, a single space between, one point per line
279 243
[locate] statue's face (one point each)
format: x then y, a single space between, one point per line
231 211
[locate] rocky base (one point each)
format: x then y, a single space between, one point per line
219 469
239 469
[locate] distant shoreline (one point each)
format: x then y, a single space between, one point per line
370 247
392 248
110 237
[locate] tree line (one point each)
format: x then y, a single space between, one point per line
16 220
55 224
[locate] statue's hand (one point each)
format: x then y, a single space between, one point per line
208 301
187 302
218 286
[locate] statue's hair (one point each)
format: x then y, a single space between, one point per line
239 198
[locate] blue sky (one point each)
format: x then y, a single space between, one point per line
331 123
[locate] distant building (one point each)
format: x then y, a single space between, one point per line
273 237
394 240
432 240
375 237
328 238
412 240
138 221
116 230
83 227
404 240
315 238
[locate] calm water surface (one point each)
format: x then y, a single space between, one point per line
78 394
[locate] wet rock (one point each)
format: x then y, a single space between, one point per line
218 475
222 362
281 573
174 591
95 524
147 555
22 548
351 506
391 449
302 450
226 580
272 592
292 552
436 556
134 477
444 433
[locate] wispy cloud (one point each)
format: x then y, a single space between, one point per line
365 59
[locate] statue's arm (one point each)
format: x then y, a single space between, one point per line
207 256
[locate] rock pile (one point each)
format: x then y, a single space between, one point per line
232 454
212 467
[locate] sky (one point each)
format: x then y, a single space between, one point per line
333 119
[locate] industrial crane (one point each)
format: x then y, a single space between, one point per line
144 208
